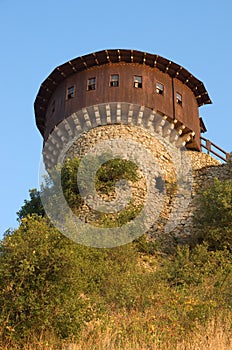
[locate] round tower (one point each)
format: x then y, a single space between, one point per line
145 108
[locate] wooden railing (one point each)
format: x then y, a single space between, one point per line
211 148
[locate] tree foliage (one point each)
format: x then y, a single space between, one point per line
40 288
106 178
213 217
31 206
47 281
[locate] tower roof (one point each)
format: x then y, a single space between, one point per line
114 56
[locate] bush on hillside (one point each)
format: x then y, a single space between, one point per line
213 217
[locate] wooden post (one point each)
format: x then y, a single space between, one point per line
228 157
208 146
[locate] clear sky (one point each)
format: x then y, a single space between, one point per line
37 36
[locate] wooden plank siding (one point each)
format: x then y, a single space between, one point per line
125 92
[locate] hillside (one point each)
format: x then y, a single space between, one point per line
57 294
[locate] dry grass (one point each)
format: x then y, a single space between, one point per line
112 336
216 336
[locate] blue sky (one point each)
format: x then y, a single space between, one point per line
35 37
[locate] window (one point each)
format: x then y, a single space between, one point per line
159 88
179 98
70 92
91 84
114 80
137 81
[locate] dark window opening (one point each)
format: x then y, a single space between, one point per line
91 84
159 88
179 98
138 81
160 184
70 92
114 80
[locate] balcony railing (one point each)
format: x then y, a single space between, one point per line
211 148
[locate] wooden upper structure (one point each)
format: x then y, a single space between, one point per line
123 76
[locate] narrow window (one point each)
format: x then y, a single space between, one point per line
70 92
179 98
159 88
114 80
137 81
91 84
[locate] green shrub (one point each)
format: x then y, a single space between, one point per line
192 267
49 283
69 183
213 217
40 285
114 170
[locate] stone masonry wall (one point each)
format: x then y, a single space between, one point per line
204 169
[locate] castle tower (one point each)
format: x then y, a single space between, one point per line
128 99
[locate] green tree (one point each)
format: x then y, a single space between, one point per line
213 217
31 206
51 285
40 284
